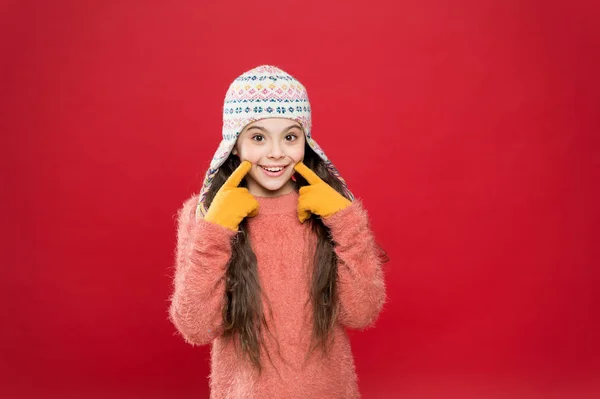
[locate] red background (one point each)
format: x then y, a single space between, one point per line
469 128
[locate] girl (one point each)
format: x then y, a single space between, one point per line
275 257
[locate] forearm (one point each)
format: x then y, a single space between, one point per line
203 251
360 276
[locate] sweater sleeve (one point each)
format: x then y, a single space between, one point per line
360 276
202 253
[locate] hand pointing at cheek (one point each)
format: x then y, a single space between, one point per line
318 197
232 203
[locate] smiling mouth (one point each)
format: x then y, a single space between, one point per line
273 169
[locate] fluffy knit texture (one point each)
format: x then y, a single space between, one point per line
284 248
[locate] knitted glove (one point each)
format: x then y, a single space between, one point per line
318 197
232 203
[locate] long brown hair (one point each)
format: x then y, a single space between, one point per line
243 317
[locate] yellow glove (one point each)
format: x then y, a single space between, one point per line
232 203
318 197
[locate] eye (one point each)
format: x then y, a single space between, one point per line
258 137
291 137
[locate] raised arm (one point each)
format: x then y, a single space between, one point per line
203 251
360 276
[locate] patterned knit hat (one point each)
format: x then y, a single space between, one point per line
263 92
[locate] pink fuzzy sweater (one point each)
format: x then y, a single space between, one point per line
284 250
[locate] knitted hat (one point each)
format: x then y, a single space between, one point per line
263 92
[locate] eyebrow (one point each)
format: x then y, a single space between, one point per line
266 131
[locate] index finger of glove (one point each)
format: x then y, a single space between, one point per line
236 177
310 176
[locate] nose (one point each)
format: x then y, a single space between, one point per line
276 152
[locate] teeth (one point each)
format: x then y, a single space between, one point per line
273 169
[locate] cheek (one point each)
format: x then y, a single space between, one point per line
251 154
297 154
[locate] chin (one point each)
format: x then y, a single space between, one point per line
273 187
269 186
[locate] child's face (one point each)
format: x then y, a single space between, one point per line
274 143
